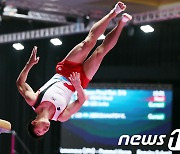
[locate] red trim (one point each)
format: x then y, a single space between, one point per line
70 87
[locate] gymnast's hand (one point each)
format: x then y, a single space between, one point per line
33 59
75 80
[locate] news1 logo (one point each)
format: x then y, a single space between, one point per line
150 140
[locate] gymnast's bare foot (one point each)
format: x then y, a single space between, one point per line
126 17
118 8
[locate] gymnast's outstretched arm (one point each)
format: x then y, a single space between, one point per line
25 90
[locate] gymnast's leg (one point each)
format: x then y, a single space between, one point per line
92 64
79 53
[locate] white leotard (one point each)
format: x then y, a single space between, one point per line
56 92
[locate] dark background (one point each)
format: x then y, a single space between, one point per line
137 58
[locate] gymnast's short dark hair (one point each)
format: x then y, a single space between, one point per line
30 130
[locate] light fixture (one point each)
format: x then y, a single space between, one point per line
147 29
18 46
102 37
56 41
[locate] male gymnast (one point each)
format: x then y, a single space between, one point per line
73 73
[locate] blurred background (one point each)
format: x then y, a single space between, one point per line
135 91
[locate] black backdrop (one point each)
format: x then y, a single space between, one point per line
137 58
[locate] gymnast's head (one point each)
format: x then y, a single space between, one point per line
38 127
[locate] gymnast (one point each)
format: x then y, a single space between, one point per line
73 73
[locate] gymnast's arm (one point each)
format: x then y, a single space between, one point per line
76 105
24 89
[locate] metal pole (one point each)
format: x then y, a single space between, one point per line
14 136
13 142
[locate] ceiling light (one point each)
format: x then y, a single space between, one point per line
56 41
18 46
147 29
102 37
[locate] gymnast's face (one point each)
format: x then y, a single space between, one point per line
40 127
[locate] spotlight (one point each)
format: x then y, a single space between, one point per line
18 46
102 37
56 41
147 29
